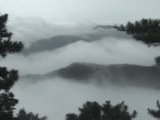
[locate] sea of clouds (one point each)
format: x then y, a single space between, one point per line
57 97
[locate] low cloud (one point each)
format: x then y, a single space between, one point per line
56 97
106 51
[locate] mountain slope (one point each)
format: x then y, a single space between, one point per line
63 40
124 71
122 74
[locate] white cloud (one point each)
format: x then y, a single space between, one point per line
29 30
106 51
57 97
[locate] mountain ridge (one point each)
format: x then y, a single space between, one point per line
120 74
59 41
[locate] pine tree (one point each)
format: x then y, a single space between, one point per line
145 30
7 77
107 111
7 106
155 113
157 60
23 115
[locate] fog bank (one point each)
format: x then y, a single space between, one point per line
57 97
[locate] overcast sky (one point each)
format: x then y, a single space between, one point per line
95 11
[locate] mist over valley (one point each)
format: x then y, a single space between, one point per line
66 70
79 59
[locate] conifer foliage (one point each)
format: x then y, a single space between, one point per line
7 77
7 106
155 113
107 111
23 115
6 45
145 30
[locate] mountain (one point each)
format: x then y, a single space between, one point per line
103 27
120 74
117 74
59 41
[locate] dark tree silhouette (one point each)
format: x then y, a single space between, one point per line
71 116
7 106
157 60
9 77
155 113
94 111
23 115
145 30
6 45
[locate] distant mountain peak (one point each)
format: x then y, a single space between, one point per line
103 27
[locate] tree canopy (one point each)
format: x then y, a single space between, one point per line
9 77
107 111
145 30
23 115
155 113
7 106
157 60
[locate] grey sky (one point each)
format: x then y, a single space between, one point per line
99 11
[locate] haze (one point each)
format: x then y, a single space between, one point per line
56 97
32 21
